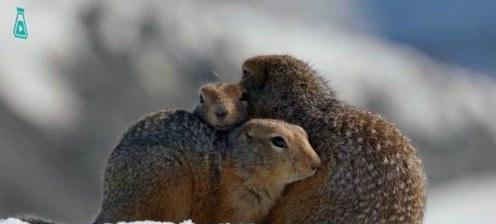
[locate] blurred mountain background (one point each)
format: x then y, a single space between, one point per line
90 68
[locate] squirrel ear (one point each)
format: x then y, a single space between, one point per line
254 79
244 136
249 136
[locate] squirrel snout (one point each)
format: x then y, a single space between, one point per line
221 112
315 163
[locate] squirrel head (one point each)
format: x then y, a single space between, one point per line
222 106
272 151
275 82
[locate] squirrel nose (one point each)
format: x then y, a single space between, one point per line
221 113
315 164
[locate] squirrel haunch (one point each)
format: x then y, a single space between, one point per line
171 166
221 105
370 172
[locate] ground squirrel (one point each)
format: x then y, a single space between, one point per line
370 172
222 105
172 166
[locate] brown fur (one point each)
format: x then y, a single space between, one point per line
370 172
258 172
170 166
222 105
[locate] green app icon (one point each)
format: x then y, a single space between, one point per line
20 28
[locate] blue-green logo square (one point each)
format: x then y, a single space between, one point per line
20 28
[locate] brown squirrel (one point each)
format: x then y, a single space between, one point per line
197 173
221 105
171 166
266 156
370 172
247 179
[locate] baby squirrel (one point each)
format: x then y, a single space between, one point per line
370 172
224 177
221 105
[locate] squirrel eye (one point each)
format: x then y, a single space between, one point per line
279 142
201 98
244 96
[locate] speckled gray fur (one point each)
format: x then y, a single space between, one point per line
165 140
372 174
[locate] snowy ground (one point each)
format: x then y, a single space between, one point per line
468 200
17 221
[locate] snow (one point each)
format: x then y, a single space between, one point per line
153 222
12 221
18 221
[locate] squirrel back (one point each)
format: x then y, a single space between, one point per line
137 168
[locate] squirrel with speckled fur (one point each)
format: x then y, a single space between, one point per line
174 165
370 172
